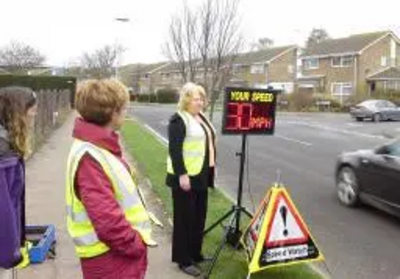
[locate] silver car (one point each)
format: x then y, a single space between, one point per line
375 110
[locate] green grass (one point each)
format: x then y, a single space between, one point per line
151 157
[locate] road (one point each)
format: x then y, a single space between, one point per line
362 243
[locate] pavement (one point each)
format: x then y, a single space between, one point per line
45 205
358 244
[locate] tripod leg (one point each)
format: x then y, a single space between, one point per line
247 213
219 221
219 249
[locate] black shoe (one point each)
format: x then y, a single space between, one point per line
202 258
190 270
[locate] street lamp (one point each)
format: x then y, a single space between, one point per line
121 20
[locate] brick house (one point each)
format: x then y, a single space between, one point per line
272 66
362 63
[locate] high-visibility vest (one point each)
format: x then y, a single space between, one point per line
194 145
80 228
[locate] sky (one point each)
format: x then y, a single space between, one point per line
63 30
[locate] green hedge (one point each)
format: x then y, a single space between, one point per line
37 83
166 95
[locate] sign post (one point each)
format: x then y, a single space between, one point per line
247 111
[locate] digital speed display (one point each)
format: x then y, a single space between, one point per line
249 111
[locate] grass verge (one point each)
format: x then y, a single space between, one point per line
151 156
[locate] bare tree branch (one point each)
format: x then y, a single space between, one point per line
206 39
18 56
101 62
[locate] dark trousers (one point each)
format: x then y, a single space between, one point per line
190 212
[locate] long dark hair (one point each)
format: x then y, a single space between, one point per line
14 105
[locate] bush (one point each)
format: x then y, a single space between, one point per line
300 101
167 95
146 98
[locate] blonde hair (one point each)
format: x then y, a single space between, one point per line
186 95
97 100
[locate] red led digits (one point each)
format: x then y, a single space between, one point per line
249 111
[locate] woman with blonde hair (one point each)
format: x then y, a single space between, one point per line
17 110
190 171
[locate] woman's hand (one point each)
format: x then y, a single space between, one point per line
184 182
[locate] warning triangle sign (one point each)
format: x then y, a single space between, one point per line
286 227
277 234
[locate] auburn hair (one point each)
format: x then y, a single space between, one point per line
97 100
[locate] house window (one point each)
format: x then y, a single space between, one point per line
290 69
383 61
311 63
342 61
342 88
392 84
257 69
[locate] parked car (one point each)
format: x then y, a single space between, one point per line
370 176
375 110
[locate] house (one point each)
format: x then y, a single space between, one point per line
269 67
274 67
361 63
142 78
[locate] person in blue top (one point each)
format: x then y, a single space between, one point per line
17 109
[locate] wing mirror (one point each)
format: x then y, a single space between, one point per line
382 150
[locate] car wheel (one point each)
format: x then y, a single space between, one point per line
377 117
359 119
347 187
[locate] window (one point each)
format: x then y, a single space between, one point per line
392 84
393 149
342 88
342 61
383 61
257 69
311 63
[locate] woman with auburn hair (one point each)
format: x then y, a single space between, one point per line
107 220
17 110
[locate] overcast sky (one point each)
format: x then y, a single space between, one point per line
62 29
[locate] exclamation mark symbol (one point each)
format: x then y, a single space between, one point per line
283 211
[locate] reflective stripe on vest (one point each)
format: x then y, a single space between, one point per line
80 227
194 145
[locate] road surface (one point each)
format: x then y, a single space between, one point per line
362 243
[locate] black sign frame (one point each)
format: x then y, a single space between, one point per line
270 107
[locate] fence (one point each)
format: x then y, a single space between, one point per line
55 101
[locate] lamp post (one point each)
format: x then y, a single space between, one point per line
117 51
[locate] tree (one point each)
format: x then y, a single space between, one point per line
317 36
262 43
18 56
181 45
100 63
206 40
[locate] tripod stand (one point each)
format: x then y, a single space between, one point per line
232 232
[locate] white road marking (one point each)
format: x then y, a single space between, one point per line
332 129
353 124
294 140
158 135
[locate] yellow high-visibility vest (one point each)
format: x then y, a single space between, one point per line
194 145
80 228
